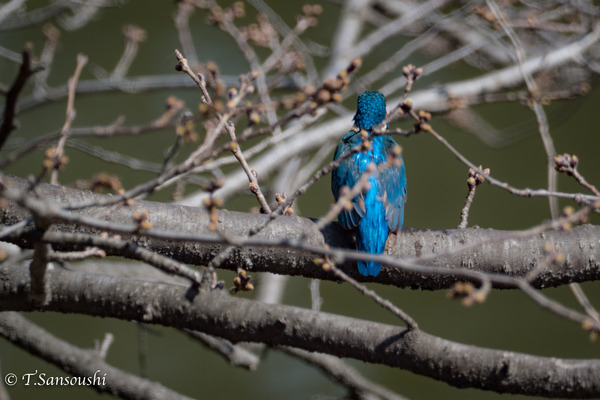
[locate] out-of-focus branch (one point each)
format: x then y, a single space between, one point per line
235 354
134 35
346 35
358 386
52 34
82 13
380 35
182 19
86 364
437 99
8 8
538 109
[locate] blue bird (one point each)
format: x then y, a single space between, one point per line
379 209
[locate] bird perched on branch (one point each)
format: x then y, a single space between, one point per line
379 206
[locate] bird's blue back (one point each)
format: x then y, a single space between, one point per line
380 209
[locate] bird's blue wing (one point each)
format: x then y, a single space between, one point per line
348 174
393 187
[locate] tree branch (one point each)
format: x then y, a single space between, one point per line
237 319
79 362
424 259
10 107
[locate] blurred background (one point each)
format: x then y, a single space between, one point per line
436 192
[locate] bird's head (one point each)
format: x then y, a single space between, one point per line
370 110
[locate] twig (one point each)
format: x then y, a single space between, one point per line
245 88
386 304
165 120
315 295
51 33
76 255
235 354
473 181
10 106
537 105
302 189
103 347
302 49
115 245
234 146
134 35
346 195
358 386
81 14
57 157
226 23
568 163
584 301
182 19
578 197
196 158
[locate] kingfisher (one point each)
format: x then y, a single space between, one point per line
379 208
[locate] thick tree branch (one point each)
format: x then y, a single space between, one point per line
237 319
424 259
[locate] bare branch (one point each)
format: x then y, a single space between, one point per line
236 355
538 109
288 245
9 8
56 158
238 319
358 386
10 107
86 364
134 35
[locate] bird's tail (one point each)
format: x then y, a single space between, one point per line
373 229
370 238
369 268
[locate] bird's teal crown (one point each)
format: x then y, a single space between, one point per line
370 110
